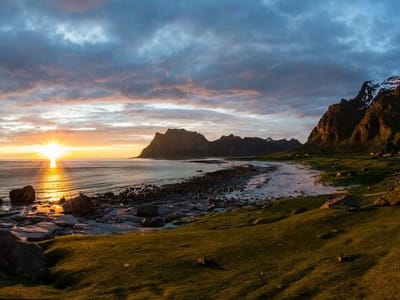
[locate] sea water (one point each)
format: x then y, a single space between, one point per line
70 177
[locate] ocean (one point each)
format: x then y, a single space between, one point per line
94 176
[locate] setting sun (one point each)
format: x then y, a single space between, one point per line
52 151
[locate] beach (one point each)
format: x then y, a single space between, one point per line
150 206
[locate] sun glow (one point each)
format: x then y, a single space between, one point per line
52 151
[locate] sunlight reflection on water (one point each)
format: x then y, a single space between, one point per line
52 183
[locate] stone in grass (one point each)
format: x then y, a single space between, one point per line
21 258
344 258
342 201
203 261
382 202
299 210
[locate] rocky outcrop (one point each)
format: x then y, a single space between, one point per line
147 211
24 196
370 121
21 258
179 143
152 222
341 202
78 206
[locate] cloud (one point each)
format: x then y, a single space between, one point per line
220 67
76 5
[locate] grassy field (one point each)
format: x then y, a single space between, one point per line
287 251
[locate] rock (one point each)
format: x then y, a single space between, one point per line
80 206
152 222
171 217
6 225
23 196
1 201
299 210
342 201
38 232
382 202
62 200
116 213
21 258
343 258
95 228
66 220
203 261
147 211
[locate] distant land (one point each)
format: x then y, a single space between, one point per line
181 144
370 121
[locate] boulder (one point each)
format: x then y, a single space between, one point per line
152 222
147 211
80 205
21 258
342 201
23 196
36 232
66 220
382 202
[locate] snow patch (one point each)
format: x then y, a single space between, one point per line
373 87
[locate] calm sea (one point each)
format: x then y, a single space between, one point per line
96 176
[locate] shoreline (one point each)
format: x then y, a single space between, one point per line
175 204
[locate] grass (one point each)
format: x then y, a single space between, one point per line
254 252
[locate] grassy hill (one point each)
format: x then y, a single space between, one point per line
287 251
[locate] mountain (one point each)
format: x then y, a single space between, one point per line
370 121
179 143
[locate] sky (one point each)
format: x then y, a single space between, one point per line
102 76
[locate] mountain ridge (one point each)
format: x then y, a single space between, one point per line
180 143
370 121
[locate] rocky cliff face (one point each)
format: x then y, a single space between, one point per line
371 120
179 143
176 143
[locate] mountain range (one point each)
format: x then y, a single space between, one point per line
370 121
180 143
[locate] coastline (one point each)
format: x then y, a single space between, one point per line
176 203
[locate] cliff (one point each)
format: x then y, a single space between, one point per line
370 121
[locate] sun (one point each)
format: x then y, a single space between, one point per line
52 151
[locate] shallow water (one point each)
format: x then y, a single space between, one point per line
288 180
95 176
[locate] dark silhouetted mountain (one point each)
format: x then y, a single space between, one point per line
179 143
370 121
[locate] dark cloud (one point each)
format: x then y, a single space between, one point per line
251 59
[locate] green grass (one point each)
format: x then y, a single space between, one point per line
283 256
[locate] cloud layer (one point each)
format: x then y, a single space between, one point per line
113 72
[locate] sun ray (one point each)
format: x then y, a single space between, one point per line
52 151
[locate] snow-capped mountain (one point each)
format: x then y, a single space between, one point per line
373 87
371 120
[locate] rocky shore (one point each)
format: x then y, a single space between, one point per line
136 208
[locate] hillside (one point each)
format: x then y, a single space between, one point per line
179 143
370 121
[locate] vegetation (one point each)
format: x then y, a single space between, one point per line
288 250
